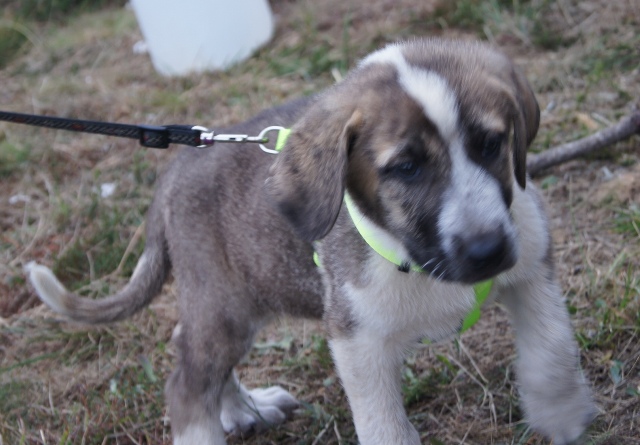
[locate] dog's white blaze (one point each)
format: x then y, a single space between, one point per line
473 202
427 88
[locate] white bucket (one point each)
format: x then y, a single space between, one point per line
186 36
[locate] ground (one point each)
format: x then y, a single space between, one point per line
62 383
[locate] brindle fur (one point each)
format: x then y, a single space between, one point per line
238 228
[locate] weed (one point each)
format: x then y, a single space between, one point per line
602 60
12 395
46 10
627 221
320 346
616 307
528 21
20 17
418 388
11 42
12 157
465 14
100 250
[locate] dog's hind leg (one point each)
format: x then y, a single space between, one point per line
193 391
204 396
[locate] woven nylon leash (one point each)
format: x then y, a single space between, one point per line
147 135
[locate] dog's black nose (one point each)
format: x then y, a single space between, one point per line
486 248
484 255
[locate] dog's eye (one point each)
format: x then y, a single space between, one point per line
406 170
491 146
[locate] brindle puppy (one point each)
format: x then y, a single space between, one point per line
428 140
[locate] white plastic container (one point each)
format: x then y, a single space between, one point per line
186 36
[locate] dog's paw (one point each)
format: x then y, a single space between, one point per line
564 419
245 411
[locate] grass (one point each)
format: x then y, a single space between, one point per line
21 18
61 383
530 21
12 40
627 220
13 157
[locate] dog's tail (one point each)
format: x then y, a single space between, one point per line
146 282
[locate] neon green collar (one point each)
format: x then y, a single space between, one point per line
482 289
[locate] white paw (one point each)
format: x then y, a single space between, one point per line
254 410
565 417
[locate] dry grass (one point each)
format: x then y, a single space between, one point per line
69 384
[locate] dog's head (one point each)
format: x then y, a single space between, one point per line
429 138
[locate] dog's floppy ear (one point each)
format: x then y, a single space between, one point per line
307 180
526 122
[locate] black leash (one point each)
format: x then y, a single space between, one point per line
147 135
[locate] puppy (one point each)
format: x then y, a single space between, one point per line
408 180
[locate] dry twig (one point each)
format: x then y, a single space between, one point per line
625 128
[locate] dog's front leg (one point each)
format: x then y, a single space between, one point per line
369 366
555 397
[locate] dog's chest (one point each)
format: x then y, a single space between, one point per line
412 305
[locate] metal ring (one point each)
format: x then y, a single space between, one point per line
203 131
263 134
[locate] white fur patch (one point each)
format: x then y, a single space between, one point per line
49 289
393 311
407 306
139 266
369 368
244 410
201 434
427 88
532 236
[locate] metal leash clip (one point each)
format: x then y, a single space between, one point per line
208 138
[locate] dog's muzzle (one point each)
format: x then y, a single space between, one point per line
483 256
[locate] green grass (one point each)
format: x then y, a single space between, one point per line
616 305
23 21
419 385
627 221
57 10
13 157
527 20
128 381
613 54
105 238
615 292
11 42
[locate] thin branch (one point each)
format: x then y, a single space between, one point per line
624 129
